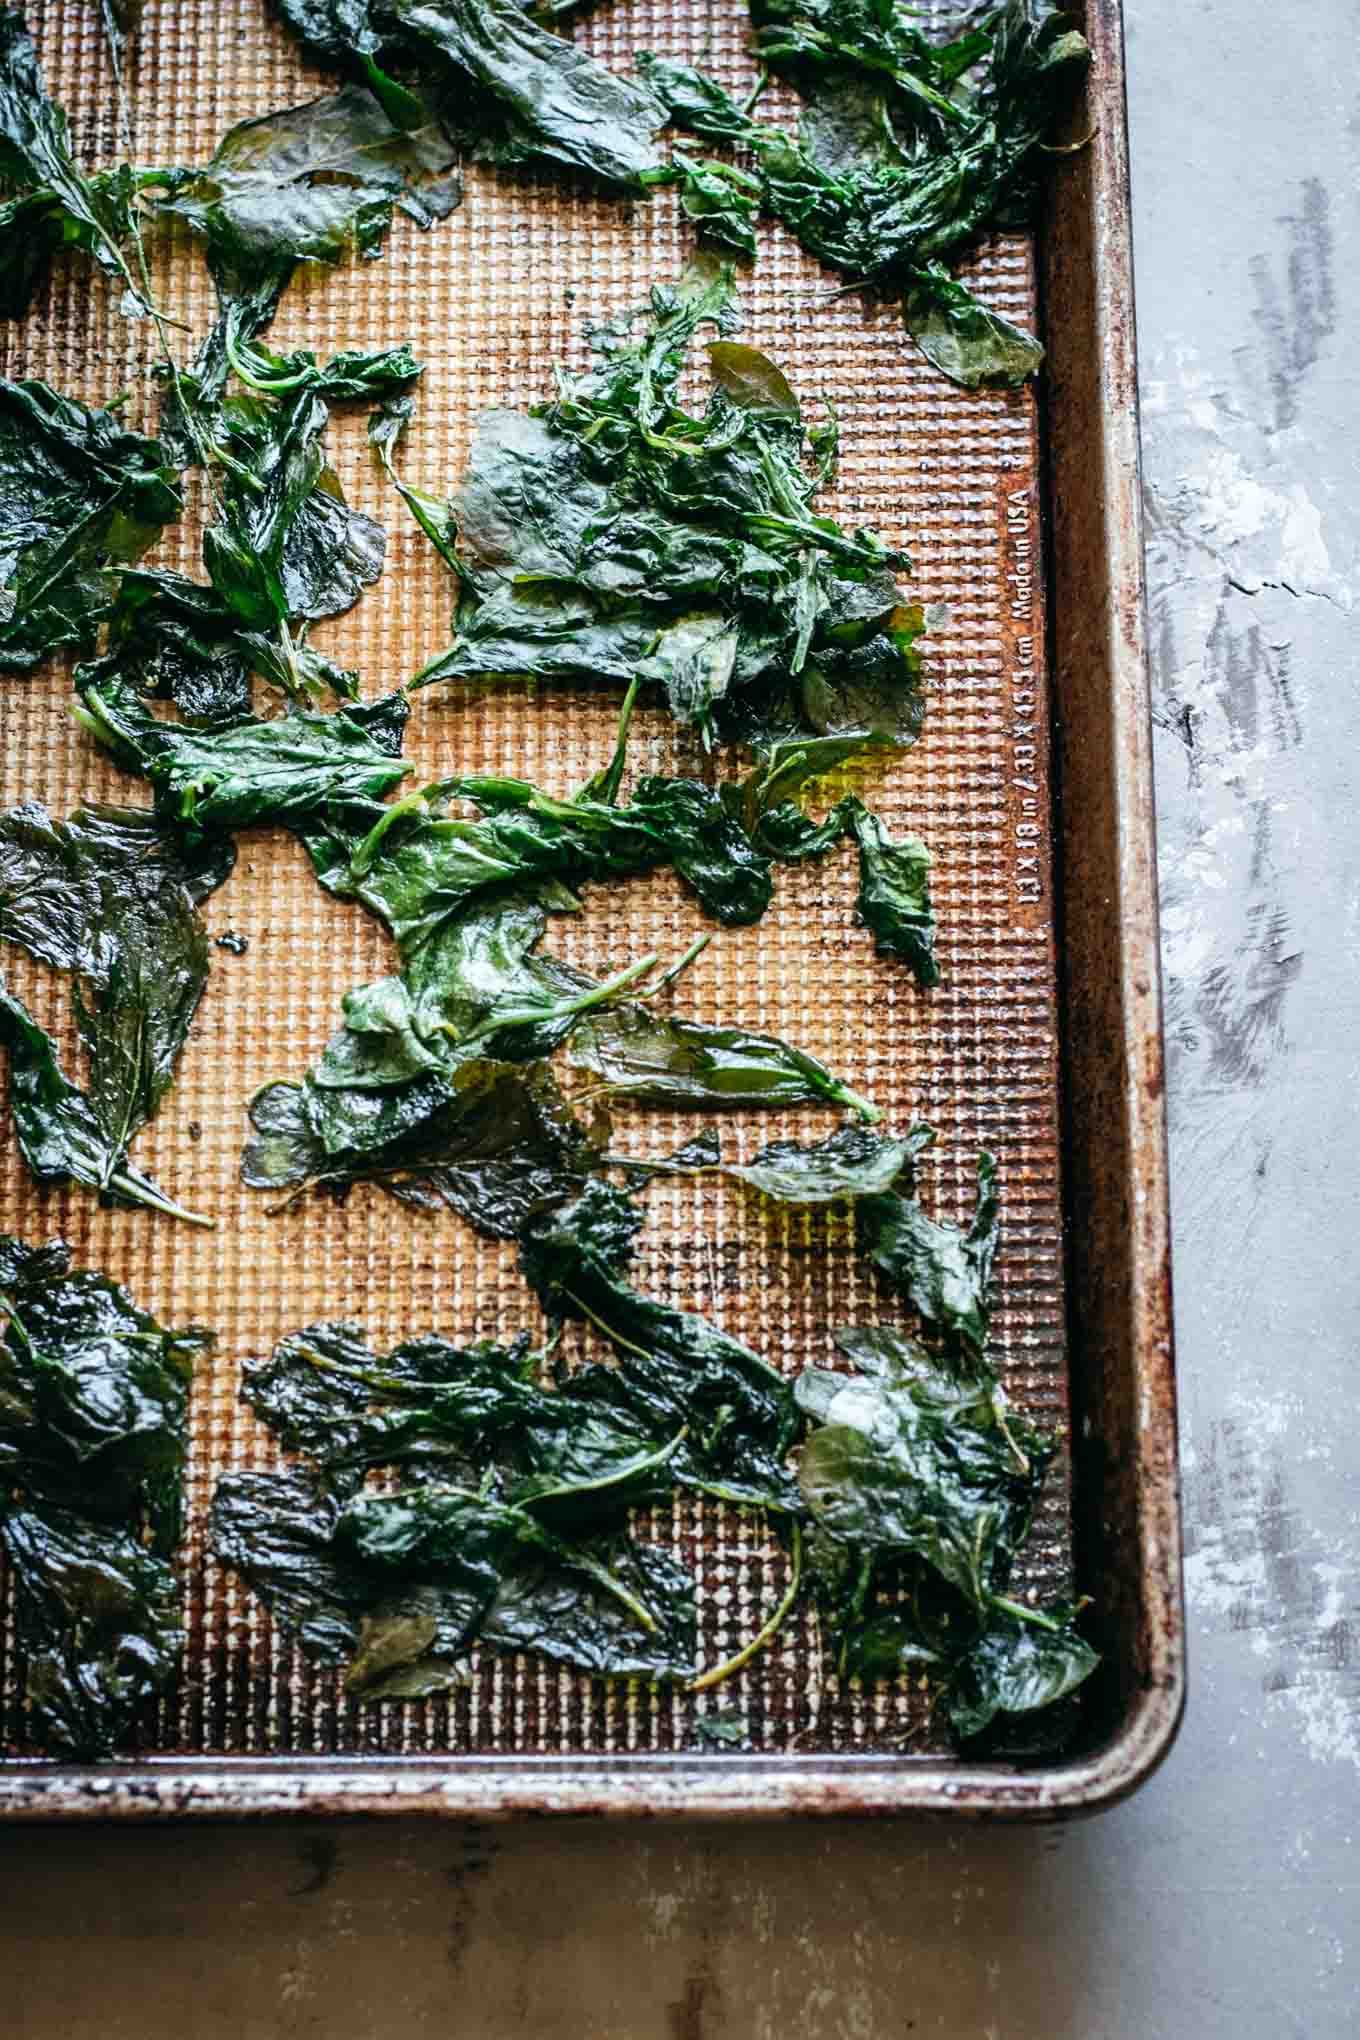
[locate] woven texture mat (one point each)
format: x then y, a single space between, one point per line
490 299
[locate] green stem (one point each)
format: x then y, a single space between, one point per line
765 1633
748 104
696 949
1021 1457
604 786
206 451
1034 1616
526 1016
864 1107
641 1615
616 1338
269 386
644 1463
361 861
143 1193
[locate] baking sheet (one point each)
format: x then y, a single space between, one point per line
490 299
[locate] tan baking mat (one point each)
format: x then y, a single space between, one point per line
489 299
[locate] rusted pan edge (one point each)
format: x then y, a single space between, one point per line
1127 1501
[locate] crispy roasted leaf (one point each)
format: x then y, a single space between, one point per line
111 896
894 894
434 516
967 342
61 1134
613 535
176 640
287 770
79 492
612 1607
93 1394
492 1141
676 1373
518 92
910 151
287 545
510 88
408 1581
856 1162
347 378
99 1624
311 184
68 889
135 1025
93 1398
910 1459
721 201
666 1061
1015 1667
946 1274
278 1531
420 868
50 894
47 203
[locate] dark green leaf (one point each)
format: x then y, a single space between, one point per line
93 1394
175 640
853 1163
278 1531
911 151
78 492
408 1581
721 200
287 545
48 204
137 1023
945 1273
612 1607
1017 1667
639 1054
50 894
966 342
311 184
68 889
894 894
59 1134
913 1460
434 516
676 1372
286 770
520 92
492 1141
99 1624
345 379
589 1611
110 895
93 1398
613 535
751 380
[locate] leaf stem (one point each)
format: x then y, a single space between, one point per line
145 1193
1034 1616
561 1009
616 1338
695 950
863 1107
765 1633
641 1615
604 785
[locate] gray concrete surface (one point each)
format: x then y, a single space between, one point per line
1222 1901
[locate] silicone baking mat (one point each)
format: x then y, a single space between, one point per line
490 299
